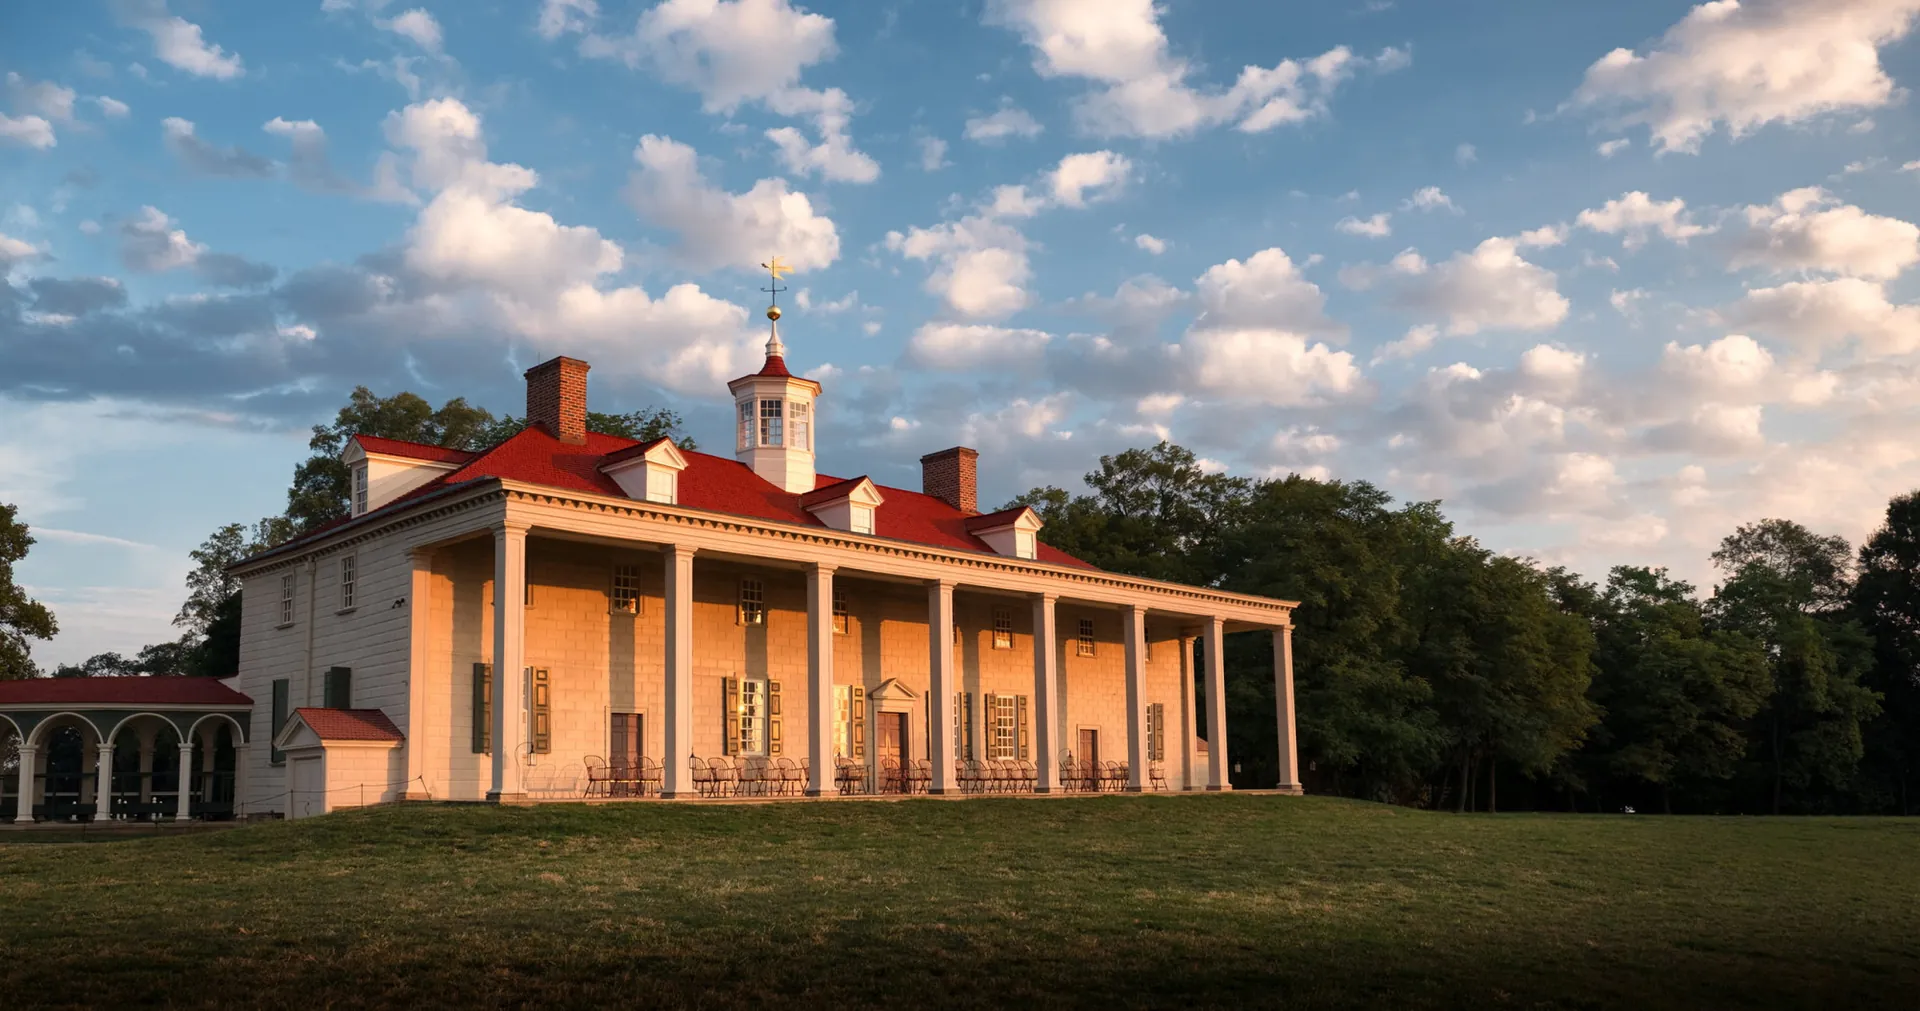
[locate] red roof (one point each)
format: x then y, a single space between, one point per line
830 492
776 366
712 483
413 450
120 692
350 724
987 521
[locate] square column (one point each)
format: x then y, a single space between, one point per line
419 654
183 811
1217 706
1283 706
509 659
941 685
677 775
103 783
1046 696
29 762
1135 625
1189 770
820 777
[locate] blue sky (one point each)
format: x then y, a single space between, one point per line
1607 279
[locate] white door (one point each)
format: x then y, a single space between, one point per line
309 791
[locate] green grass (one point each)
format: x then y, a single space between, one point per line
1154 901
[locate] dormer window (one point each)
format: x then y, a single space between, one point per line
848 505
862 520
663 485
1010 532
360 489
649 472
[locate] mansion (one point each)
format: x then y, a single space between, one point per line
570 614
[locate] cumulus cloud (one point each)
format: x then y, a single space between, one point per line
1378 226
835 157
933 154
959 346
1745 65
561 17
1150 244
1491 287
1267 290
309 166
1609 148
1101 171
1429 198
40 98
210 159
718 228
418 26
1636 217
1143 90
179 43
1809 229
30 131
1268 366
1009 121
150 244
1819 315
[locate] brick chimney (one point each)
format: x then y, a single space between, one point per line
557 398
950 476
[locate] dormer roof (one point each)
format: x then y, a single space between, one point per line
858 490
1017 518
661 451
373 445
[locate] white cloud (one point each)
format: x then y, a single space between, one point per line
1808 229
1143 88
112 108
1491 287
1076 174
417 25
1609 148
41 98
1418 339
1268 366
179 43
1822 314
1746 65
14 251
150 244
1627 303
210 159
31 131
1267 290
1635 217
1429 198
1150 244
981 268
1009 121
560 17
940 345
834 157
1377 227
933 154
718 228
1466 154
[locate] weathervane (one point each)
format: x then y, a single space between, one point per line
777 270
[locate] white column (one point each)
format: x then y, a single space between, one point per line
1188 709
678 772
941 684
1216 707
1046 696
29 760
1134 624
419 632
820 777
1283 706
509 658
181 812
103 783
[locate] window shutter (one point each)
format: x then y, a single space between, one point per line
482 708
337 688
1020 723
773 717
279 718
542 711
730 705
857 712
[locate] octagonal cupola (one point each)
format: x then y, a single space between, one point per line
774 412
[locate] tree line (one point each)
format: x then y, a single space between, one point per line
1430 671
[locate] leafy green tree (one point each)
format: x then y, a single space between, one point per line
21 617
1887 599
322 484
644 425
162 659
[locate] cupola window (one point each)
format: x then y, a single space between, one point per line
771 433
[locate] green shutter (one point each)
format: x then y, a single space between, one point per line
542 711
730 707
1020 723
773 718
279 719
337 688
857 713
482 708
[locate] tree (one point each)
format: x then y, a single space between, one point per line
1887 600
644 425
21 617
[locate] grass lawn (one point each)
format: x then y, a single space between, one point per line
1129 901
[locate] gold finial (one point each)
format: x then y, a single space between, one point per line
778 270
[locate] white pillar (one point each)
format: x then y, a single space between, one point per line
1283 706
820 776
103 783
1046 696
419 632
509 657
678 772
1188 770
29 762
941 684
1134 624
182 810
1216 706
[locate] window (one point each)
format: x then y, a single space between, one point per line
862 519
663 485
753 602
803 432
1157 732
541 732
1023 546
279 719
746 424
625 595
336 690
482 712
1084 644
1003 729
771 433
360 489
1003 628
346 583
753 716
840 619
286 599
627 742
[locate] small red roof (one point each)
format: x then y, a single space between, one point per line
636 450
830 492
987 521
776 366
120 692
414 450
350 724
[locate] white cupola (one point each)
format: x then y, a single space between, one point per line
774 416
